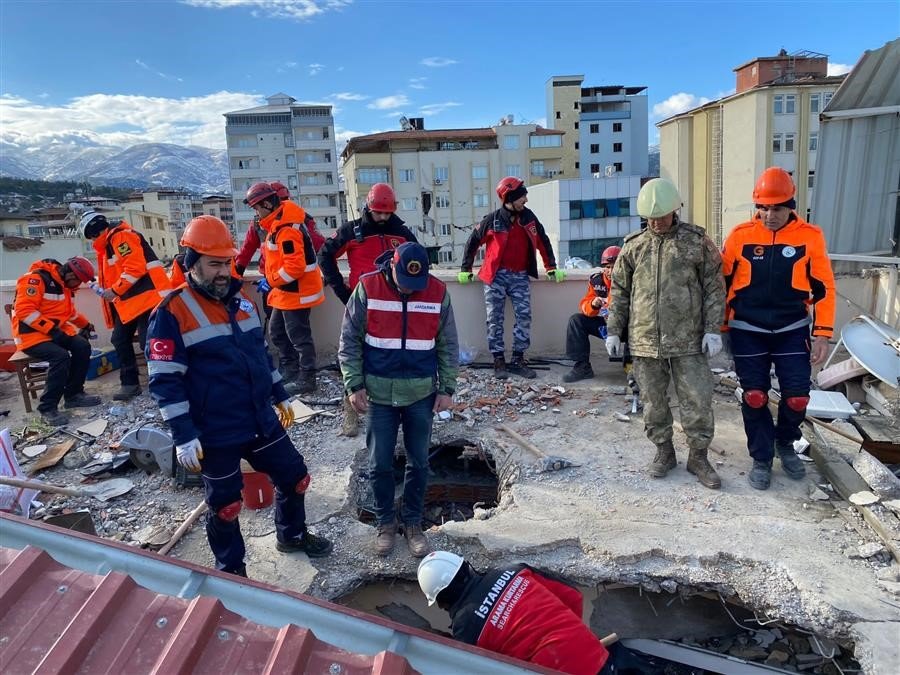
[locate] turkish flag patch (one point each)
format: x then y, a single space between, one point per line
162 350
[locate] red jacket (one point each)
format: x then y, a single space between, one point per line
493 232
256 235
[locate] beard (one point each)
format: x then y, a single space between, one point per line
216 290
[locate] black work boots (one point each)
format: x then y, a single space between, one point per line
580 371
518 366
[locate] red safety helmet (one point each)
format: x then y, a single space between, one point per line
81 268
259 192
381 198
775 186
507 185
280 190
609 255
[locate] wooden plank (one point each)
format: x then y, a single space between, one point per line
881 437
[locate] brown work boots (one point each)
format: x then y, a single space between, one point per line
415 540
697 464
384 538
664 461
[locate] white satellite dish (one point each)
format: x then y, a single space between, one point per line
876 346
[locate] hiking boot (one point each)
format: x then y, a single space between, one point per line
308 543
760 475
54 418
82 400
416 541
127 391
350 425
792 465
500 368
384 539
580 371
519 367
664 461
698 464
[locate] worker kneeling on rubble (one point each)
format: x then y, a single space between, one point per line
46 326
517 611
213 379
776 269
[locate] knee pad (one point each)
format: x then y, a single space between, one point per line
230 512
797 403
301 487
756 398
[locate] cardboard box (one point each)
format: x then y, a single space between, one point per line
102 362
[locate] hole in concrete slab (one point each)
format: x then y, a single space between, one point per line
688 631
461 476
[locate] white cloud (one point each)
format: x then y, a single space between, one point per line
123 120
396 114
839 68
349 96
437 61
678 103
315 68
417 82
389 102
298 10
437 108
156 72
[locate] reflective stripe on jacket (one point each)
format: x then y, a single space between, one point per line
774 278
209 368
42 303
291 267
592 294
130 268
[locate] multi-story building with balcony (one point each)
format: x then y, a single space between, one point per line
288 142
605 127
222 207
445 178
178 206
715 152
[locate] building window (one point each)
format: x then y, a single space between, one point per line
617 166
407 175
624 205
595 128
577 164
289 140
595 168
789 100
444 229
550 141
442 201
811 180
776 142
537 167
290 161
479 172
372 175
826 99
778 104
557 114
514 170
576 105
595 148
480 199
575 212
576 145
408 204
445 256
617 147
789 142
815 101
591 249
814 141
292 182
576 125
441 174
617 127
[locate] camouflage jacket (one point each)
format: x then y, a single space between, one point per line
667 291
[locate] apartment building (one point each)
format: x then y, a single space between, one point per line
222 207
178 207
715 152
288 142
444 179
605 127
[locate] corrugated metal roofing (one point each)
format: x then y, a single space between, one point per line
873 82
73 603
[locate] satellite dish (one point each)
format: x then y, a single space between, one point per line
876 346
610 170
404 123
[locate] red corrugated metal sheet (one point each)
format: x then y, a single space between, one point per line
54 619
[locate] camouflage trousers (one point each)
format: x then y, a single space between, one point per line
516 286
693 386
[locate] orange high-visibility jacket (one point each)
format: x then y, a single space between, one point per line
773 278
291 267
127 265
43 303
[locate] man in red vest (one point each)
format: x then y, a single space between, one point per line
399 357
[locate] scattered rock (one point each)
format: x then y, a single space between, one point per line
892 587
867 550
750 652
863 498
823 646
891 573
818 495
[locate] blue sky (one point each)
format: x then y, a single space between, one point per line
120 72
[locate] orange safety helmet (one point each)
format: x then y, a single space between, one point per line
259 192
81 268
381 198
507 185
208 235
609 255
775 186
280 190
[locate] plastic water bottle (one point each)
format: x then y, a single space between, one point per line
94 286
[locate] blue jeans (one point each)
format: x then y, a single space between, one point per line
381 439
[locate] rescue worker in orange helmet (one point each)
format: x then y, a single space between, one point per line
780 292
214 382
133 281
47 327
293 275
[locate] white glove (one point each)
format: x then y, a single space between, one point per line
712 343
614 346
189 455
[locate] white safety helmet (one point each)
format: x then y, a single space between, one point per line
658 198
436 571
89 225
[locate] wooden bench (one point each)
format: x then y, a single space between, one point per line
32 381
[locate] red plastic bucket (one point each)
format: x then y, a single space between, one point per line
258 491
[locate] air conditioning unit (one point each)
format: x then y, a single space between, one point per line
437 181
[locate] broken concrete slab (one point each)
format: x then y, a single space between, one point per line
877 647
879 478
863 498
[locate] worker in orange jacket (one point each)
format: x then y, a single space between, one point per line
132 282
296 285
776 270
46 326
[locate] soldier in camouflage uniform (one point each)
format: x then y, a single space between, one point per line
668 296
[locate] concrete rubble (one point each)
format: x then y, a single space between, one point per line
793 553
